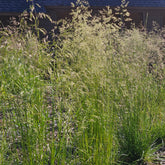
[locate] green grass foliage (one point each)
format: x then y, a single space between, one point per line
94 95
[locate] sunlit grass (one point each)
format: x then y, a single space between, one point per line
96 98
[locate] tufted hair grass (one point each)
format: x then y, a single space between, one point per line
95 97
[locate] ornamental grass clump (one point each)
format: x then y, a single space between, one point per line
108 77
93 95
